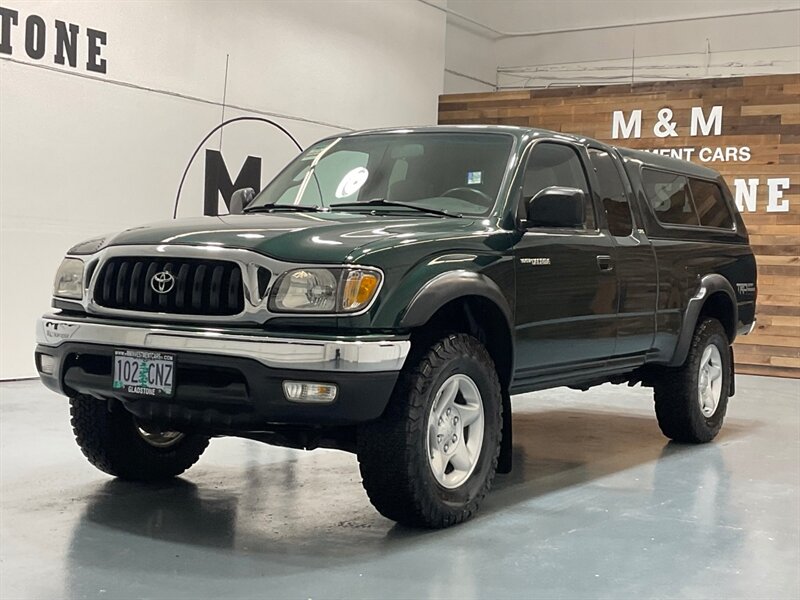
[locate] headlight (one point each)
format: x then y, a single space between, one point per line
307 290
69 279
324 290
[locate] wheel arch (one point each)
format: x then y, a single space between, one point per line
715 298
469 303
466 302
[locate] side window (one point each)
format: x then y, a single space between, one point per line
556 164
669 196
612 193
710 204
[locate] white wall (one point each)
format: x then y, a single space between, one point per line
83 154
594 42
470 61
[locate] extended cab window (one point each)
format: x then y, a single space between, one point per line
710 204
552 164
670 198
612 193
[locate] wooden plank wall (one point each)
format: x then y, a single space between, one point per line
760 113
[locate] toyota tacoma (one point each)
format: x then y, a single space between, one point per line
388 292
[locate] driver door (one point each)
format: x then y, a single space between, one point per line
566 282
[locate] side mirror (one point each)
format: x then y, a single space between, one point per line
240 199
556 207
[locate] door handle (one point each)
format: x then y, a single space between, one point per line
604 262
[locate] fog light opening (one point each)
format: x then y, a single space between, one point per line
47 364
307 391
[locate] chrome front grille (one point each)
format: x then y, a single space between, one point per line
177 285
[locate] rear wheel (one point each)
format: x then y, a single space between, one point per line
431 458
691 400
114 442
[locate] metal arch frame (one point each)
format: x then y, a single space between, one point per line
212 132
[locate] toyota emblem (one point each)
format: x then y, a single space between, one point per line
163 282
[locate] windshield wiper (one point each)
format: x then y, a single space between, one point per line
391 203
273 207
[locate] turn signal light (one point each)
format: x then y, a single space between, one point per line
359 287
306 391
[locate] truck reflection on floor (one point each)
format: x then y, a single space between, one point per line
579 476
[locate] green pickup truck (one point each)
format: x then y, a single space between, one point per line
388 292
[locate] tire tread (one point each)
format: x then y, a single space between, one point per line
388 455
675 393
108 440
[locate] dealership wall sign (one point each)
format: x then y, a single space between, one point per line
746 128
218 181
30 35
251 134
702 124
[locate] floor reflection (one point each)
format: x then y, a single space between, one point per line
299 515
177 511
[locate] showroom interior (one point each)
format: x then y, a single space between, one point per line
118 114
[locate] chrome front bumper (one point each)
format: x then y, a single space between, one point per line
365 354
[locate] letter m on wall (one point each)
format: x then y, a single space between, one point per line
218 180
633 126
699 121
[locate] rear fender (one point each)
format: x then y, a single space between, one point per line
709 285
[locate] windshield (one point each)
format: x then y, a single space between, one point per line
459 173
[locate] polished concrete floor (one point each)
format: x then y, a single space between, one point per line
599 506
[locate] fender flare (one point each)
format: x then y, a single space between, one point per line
453 285
709 285
450 286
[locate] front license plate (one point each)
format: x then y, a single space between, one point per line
144 373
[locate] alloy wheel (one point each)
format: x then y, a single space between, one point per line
455 431
709 380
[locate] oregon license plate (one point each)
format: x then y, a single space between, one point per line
144 373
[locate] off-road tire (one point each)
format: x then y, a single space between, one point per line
392 451
109 438
676 391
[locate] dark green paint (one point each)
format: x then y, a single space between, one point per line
568 317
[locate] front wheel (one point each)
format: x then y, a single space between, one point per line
431 458
691 400
114 442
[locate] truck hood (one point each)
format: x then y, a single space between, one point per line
296 237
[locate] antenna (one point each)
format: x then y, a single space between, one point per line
224 98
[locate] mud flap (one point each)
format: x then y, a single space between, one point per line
732 389
506 447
